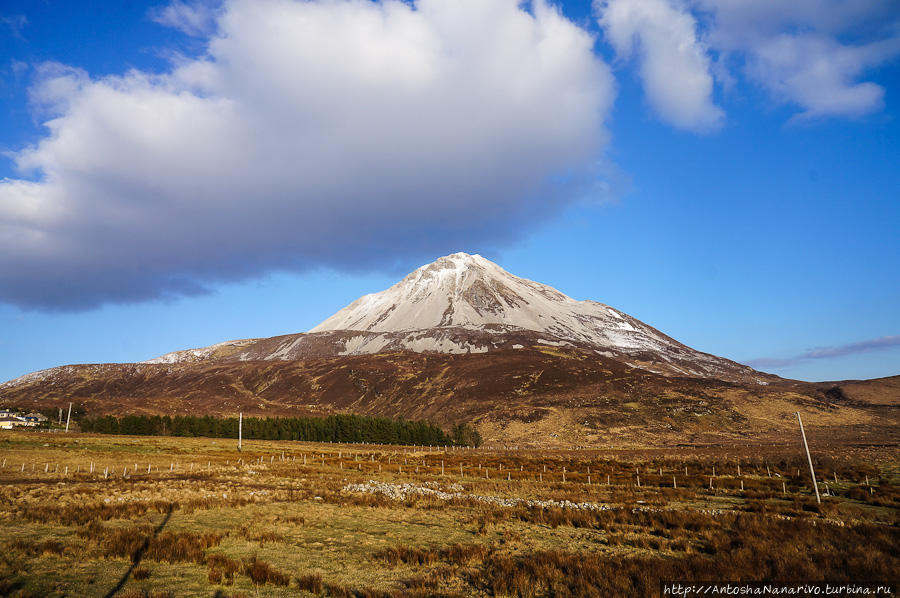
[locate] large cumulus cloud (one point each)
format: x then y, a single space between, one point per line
332 132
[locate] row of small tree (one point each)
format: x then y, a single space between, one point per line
334 428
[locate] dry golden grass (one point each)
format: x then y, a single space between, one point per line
207 520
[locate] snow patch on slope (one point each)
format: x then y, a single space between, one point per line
31 377
364 344
191 355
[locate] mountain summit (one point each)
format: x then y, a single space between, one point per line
456 290
468 291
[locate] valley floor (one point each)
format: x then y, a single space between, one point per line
88 515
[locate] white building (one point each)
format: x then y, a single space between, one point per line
9 422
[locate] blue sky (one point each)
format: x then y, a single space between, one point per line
725 172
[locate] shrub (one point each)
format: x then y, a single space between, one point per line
261 573
222 568
310 583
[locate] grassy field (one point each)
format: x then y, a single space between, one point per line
88 515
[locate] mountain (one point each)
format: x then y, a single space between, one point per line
464 303
461 339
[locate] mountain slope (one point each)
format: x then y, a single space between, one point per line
542 396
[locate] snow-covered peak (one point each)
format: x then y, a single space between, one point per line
462 291
468 291
459 290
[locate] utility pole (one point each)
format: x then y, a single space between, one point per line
69 417
240 429
811 470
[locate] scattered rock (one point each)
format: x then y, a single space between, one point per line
454 492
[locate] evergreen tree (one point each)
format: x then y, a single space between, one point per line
334 428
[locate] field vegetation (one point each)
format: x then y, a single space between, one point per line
132 516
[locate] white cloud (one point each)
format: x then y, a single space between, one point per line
674 65
197 19
16 24
338 133
818 73
53 86
808 53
